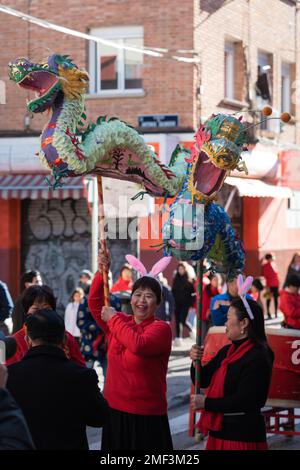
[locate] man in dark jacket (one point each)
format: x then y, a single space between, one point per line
14 432
58 397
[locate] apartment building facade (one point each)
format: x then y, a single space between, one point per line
217 56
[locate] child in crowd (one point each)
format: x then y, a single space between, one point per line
71 313
290 302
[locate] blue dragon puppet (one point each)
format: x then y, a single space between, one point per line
196 227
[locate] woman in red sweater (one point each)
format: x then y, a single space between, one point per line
36 298
139 347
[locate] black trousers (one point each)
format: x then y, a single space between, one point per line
275 295
181 313
126 431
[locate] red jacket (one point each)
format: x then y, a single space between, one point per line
72 349
121 286
138 358
270 273
289 304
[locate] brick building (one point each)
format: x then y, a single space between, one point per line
243 61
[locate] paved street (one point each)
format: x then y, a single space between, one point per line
178 399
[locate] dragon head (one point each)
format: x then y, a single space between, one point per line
56 76
217 150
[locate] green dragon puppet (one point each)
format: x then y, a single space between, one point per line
196 227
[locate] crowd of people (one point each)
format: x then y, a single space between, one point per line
49 390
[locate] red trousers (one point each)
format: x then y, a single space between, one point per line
221 444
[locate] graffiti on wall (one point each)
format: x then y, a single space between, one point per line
56 240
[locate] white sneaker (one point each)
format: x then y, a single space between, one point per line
177 342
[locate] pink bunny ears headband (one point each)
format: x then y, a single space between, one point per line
243 287
157 268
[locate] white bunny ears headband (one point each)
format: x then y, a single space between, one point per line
157 268
243 287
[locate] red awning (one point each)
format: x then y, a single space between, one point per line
36 187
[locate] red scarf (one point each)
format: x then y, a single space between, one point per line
211 420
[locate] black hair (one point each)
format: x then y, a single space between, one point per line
269 256
256 328
180 279
258 284
28 277
147 282
293 280
78 290
40 294
208 286
46 325
126 266
181 264
293 258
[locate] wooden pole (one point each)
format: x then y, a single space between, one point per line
199 332
102 239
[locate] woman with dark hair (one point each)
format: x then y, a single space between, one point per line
30 278
38 298
293 269
71 313
183 291
138 352
237 380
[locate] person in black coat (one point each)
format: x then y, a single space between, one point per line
166 308
183 292
14 432
30 278
232 409
58 397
